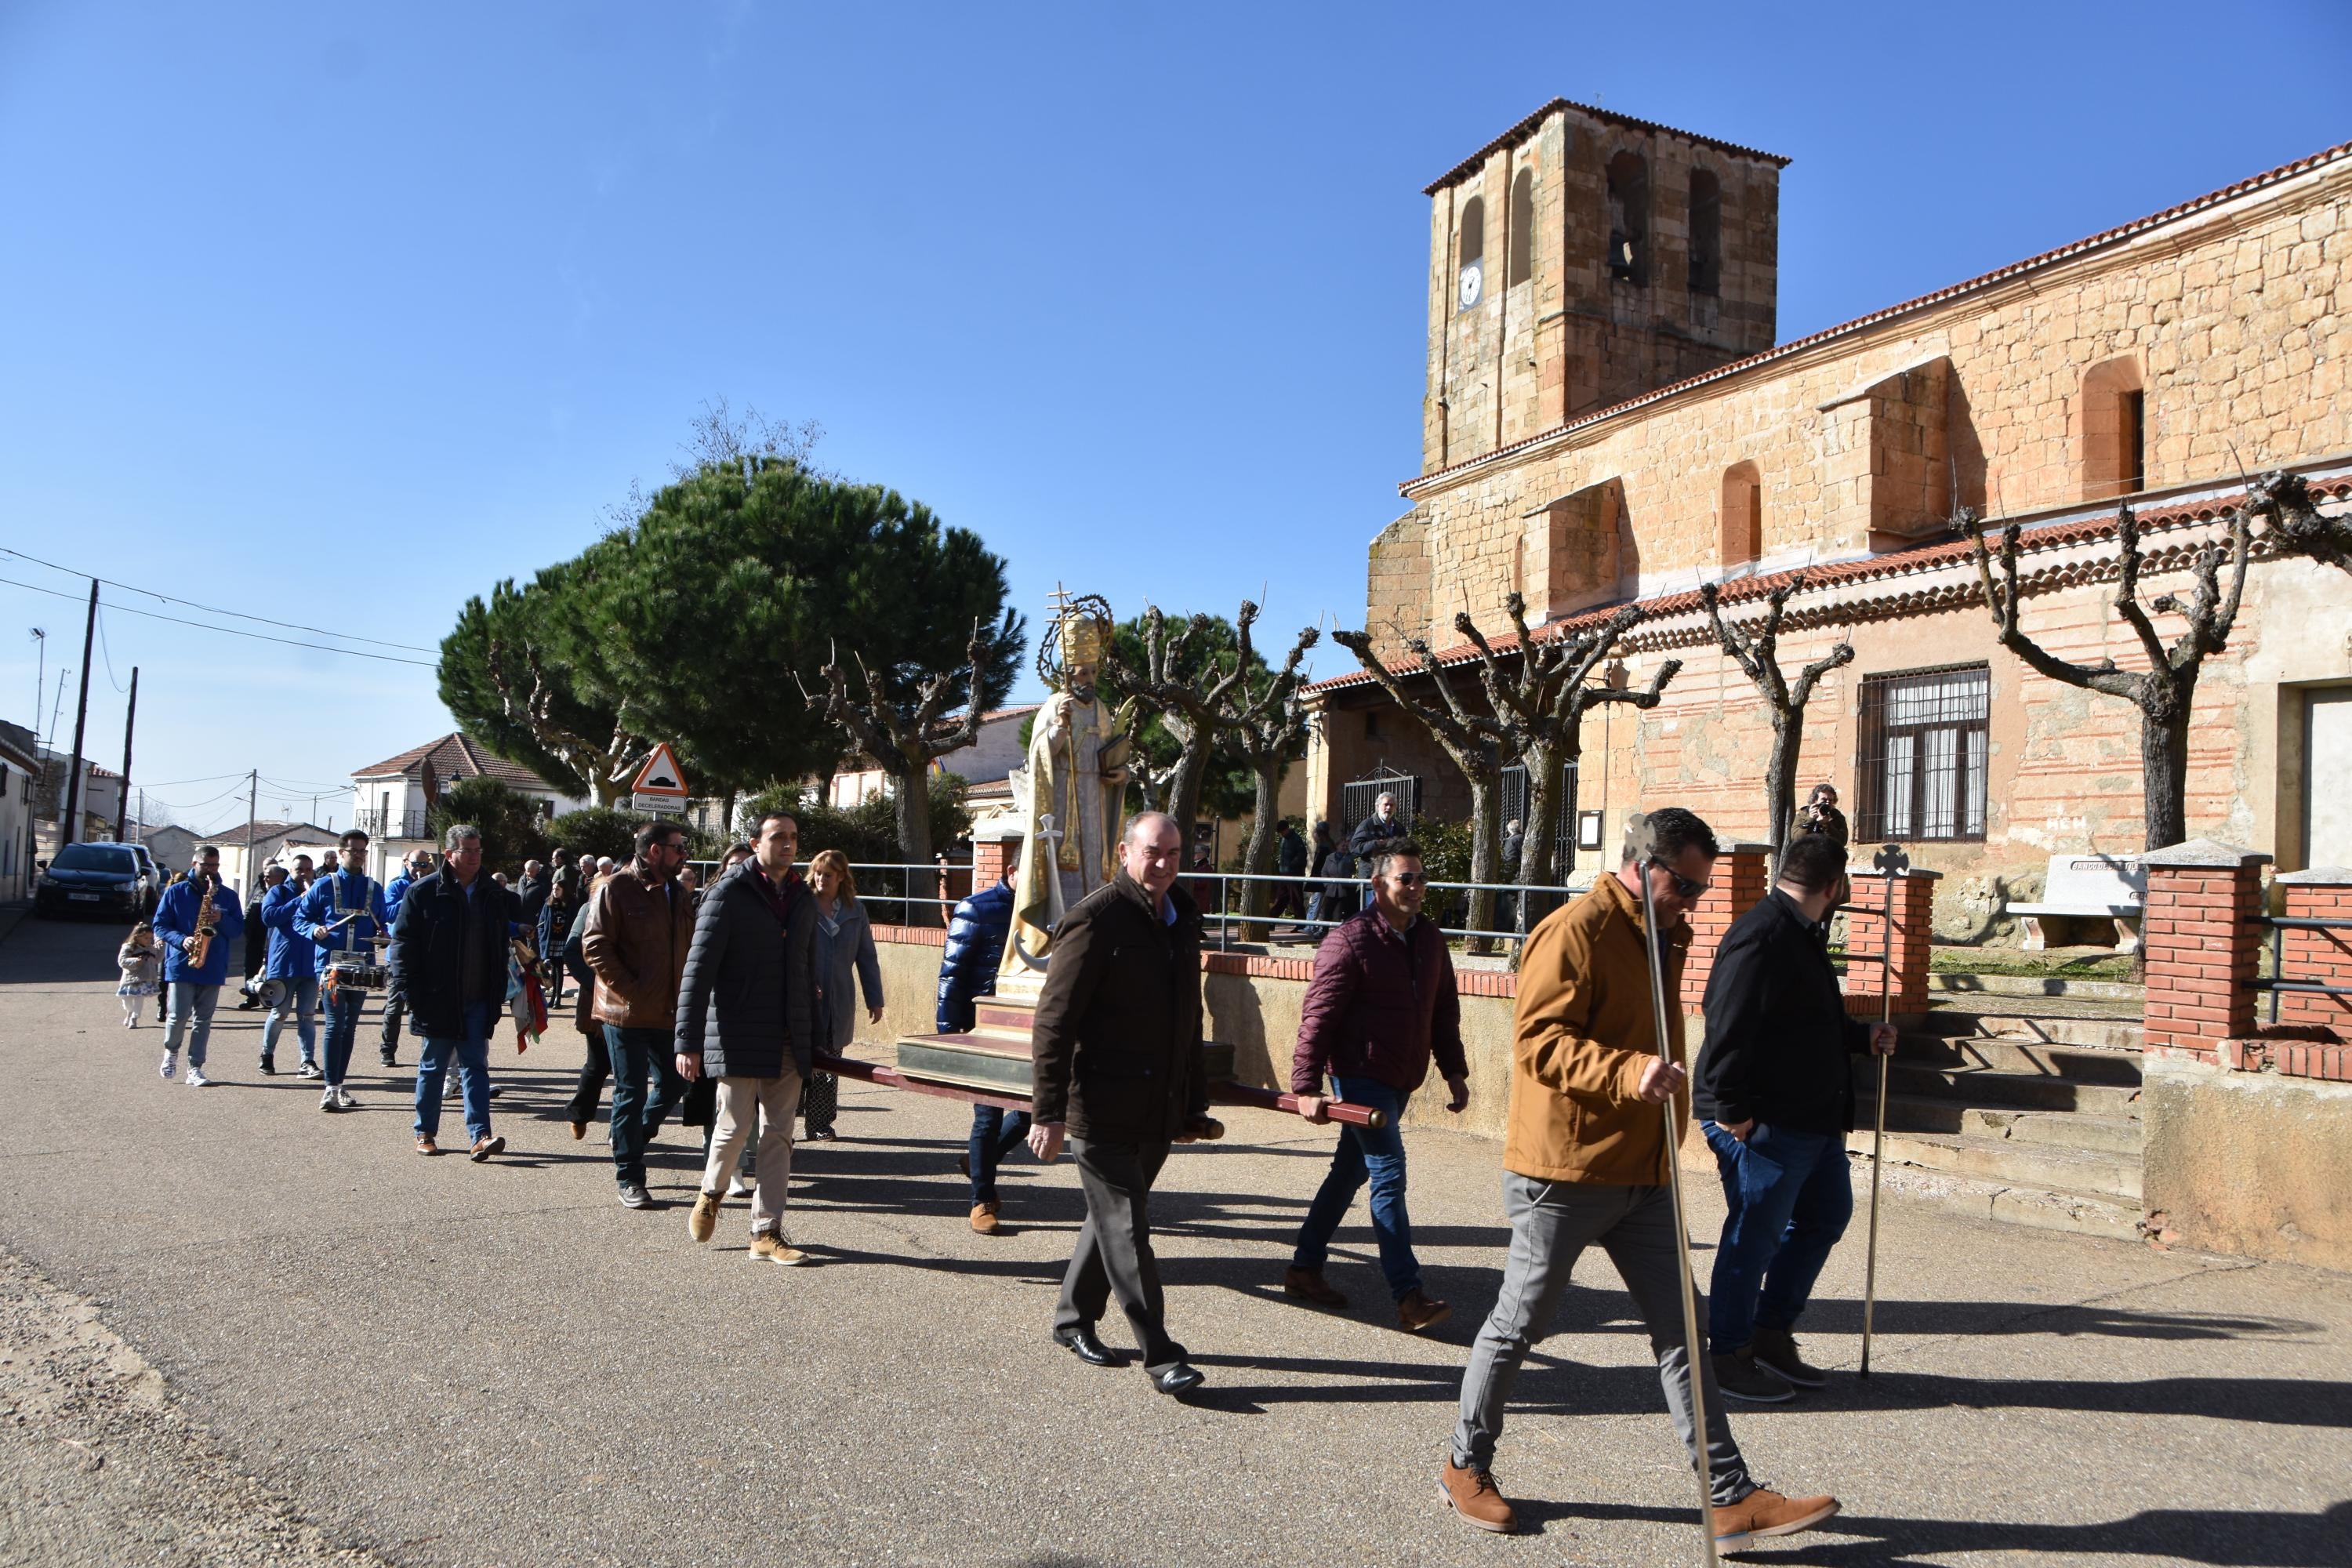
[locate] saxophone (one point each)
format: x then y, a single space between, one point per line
199 942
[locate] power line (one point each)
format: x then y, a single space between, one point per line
212 610
230 631
176 784
106 652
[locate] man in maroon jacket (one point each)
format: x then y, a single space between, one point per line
1382 1001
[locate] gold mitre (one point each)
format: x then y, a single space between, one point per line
1083 639
1077 636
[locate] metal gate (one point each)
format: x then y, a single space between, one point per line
1515 793
1357 798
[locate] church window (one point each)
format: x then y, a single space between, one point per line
1629 218
1705 233
1921 773
1473 242
1523 228
2114 424
1742 516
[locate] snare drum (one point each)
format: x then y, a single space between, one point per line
352 973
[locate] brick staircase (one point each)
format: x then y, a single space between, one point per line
2018 1109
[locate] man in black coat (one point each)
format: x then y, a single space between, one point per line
1774 1091
747 1017
1116 1066
448 957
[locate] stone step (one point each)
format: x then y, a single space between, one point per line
2044 1167
2081 1214
2120 1135
2118 1029
2014 1091
1959 985
2088 1064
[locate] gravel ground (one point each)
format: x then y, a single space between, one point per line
445 1363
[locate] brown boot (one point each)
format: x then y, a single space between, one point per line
1417 1312
704 1219
1472 1494
983 1217
1761 1513
1306 1285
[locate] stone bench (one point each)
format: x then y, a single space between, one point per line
2106 888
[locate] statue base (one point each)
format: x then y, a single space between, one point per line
994 1054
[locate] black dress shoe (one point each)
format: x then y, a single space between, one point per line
1178 1380
1084 1345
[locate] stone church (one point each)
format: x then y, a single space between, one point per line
1607 419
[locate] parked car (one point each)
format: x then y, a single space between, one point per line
116 880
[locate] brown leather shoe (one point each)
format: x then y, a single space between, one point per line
424 1145
1417 1312
484 1148
1471 1495
983 1217
578 1130
1761 1513
1306 1285
704 1219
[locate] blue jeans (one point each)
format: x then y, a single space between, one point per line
635 1053
1790 1196
343 1028
191 1002
473 1053
994 1134
300 997
1373 1153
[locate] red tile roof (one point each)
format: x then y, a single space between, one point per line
456 755
1526 128
2131 230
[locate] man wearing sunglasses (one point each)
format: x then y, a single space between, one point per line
1585 1164
1381 1006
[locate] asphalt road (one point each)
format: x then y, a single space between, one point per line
433 1362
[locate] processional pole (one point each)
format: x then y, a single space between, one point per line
1893 863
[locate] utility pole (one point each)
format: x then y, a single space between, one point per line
131 719
55 708
143 816
70 829
40 675
252 795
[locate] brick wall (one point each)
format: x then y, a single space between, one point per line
2318 957
1903 940
1742 874
2201 944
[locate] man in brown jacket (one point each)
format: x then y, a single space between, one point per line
1584 1164
640 926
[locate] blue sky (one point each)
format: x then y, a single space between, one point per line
336 315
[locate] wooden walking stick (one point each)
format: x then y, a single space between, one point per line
1646 855
1894 862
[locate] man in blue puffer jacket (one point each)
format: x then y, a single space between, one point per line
976 935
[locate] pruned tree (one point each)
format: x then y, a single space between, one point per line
2298 525
1541 697
519 676
1757 651
2166 691
905 732
1479 746
1267 720
1174 677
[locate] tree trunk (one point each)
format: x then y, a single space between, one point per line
912 803
1780 780
1184 787
1547 765
1485 852
606 790
2164 766
1266 817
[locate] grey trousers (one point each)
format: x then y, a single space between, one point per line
1552 1224
1114 1254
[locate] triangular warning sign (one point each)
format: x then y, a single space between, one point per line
661 774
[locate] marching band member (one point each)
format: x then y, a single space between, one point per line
293 964
200 910
343 913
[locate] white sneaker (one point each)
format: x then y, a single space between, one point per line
309 1069
171 1064
327 1101
738 1188
343 1099
196 1078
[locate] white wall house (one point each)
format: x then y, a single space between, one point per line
20 772
390 800
987 761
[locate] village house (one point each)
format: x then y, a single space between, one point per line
1607 419
391 800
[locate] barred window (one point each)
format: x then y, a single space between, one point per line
1921 773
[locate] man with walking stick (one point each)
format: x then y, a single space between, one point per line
1776 1097
1587 1160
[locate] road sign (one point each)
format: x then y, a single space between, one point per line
660 776
657 805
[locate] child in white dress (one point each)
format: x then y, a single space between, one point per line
141 959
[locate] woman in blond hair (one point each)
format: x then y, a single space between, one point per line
844 943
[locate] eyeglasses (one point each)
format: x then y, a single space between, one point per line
1409 878
1683 886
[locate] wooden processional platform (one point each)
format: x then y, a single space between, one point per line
993 1056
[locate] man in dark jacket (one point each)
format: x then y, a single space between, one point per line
1383 823
640 925
1381 1006
418 867
976 934
747 1017
1289 860
1775 1091
449 957
1116 1066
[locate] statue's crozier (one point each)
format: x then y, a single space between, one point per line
1077 782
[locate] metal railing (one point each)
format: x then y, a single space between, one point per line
2276 983
379 824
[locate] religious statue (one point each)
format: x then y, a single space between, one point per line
1077 783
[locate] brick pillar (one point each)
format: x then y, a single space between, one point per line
2200 944
1868 939
2318 957
1740 883
991 858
